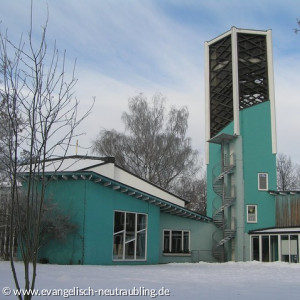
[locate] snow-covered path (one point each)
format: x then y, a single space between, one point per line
232 281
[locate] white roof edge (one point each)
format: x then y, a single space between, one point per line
238 30
276 230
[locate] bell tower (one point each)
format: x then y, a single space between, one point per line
241 138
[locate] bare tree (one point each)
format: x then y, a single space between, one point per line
287 173
297 29
154 145
193 190
40 113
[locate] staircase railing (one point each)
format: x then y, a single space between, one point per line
222 201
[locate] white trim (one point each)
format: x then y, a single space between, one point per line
255 221
177 254
207 101
260 247
251 31
235 81
279 247
271 91
289 243
277 230
267 181
298 248
239 30
223 35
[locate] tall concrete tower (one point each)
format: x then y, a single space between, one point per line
241 139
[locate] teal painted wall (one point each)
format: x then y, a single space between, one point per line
92 207
70 198
257 157
200 238
253 151
255 125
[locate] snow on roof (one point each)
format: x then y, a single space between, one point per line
105 166
276 230
73 163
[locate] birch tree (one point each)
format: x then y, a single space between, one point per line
154 145
288 173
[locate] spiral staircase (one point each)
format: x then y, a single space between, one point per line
223 201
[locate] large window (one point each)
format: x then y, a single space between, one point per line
262 181
275 247
130 235
176 241
251 213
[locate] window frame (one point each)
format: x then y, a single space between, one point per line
255 213
259 183
171 251
134 239
286 245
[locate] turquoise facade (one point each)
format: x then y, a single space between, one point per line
200 239
258 158
252 151
92 206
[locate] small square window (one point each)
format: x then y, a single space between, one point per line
262 181
251 213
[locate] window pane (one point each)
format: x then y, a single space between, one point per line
186 240
141 245
130 227
129 250
294 248
263 181
255 248
118 246
176 241
167 241
251 213
265 249
285 248
274 248
141 222
119 221
130 222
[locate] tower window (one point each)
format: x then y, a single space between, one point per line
251 213
262 181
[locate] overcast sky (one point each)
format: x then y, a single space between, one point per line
124 47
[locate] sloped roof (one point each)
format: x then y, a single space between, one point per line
102 170
75 163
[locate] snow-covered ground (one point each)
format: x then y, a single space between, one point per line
251 280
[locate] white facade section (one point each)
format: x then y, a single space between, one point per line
68 164
271 91
111 171
124 177
207 102
235 81
107 170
